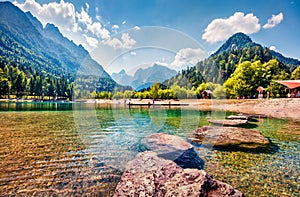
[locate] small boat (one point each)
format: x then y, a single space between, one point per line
228 122
238 117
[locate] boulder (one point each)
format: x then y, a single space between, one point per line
150 175
173 148
234 137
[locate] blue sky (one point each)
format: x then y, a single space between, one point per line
116 32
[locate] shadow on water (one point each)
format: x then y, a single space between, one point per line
188 159
270 149
249 125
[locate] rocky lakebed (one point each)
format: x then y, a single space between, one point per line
169 166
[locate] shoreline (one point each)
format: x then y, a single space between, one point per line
286 108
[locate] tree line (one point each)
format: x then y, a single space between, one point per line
242 83
17 83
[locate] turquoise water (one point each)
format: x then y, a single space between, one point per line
82 149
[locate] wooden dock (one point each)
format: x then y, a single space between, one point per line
157 104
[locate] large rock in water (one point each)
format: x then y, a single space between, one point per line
150 175
173 148
230 137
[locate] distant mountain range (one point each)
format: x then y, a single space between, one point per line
220 65
144 78
24 40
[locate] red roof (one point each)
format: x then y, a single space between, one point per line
290 83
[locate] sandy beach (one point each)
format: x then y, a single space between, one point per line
277 108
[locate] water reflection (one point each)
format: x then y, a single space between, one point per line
35 106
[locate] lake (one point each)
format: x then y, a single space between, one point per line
69 149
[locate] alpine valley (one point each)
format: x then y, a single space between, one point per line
38 62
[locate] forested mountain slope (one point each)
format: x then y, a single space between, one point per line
41 61
219 66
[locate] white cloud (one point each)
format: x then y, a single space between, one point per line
162 64
98 17
126 42
115 27
64 16
124 22
273 48
273 21
220 29
92 42
96 29
61 14
87 6
83 17
133 53
188 56
137 28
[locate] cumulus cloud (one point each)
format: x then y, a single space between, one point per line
96 29
124 22
92 42
220 29
126 42
188 56
273 21
64 16
83 16
61 14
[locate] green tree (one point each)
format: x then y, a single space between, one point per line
154 90
296 73
248 76
219 92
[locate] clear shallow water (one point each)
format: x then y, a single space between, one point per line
80 149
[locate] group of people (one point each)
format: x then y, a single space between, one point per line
294 94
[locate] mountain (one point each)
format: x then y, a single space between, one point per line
43 52
240 40
122 77
218 67
25 32
235 42
144 77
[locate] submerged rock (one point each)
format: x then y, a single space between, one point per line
150 175
230 137
173 148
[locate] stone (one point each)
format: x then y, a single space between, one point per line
234 137
150 175
173 148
